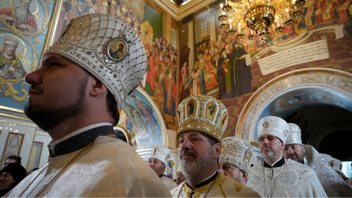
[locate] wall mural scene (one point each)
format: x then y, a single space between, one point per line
146 131
23 30
146 19
223 65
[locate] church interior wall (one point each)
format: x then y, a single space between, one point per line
340 51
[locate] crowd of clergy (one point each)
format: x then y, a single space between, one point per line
88 160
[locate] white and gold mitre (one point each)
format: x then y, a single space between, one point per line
107 48
161 153
204 114
273 125
294 135
237 152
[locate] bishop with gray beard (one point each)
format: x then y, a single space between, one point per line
20 17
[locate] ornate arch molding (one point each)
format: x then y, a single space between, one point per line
320 133
329 79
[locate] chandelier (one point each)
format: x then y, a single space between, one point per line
254 17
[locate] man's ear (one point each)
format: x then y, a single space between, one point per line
217 150
244 178
97 87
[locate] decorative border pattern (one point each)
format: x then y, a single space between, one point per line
336 79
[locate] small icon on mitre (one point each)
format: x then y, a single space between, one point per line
265 124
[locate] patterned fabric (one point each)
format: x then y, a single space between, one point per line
109 168
292 179
222 187
168 182
294 135
237 152
332 183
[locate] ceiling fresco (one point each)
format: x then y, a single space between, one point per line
293 100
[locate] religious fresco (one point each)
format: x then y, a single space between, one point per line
148 131
126 122
222 66
23 31
147 21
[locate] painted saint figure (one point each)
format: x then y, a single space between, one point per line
20 17
197 82
169 94
241 74
10 64
119 53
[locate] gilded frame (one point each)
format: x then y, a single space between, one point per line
36 159
6 144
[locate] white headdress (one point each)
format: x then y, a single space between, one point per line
274 126
294 135
161 153
93 41
237 152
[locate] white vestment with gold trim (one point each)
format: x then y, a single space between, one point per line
222 187
109 168
292 179
333 184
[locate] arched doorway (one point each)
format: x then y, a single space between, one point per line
317 99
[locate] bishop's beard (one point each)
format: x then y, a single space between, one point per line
21 14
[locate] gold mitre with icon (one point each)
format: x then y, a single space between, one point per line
204 114
162 153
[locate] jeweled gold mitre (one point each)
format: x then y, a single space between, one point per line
203 114
107 48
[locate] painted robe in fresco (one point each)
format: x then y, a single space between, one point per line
240 73
223 73
108 168
6 63
150 85
197 83
30 24
222 187
138 123
209 77
332 183
169 95
291 179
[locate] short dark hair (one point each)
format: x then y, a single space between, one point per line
211 140
15 157
112 107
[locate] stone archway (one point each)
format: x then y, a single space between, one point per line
330 80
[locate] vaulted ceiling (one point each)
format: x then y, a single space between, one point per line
179 9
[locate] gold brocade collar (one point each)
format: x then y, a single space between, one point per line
203 189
